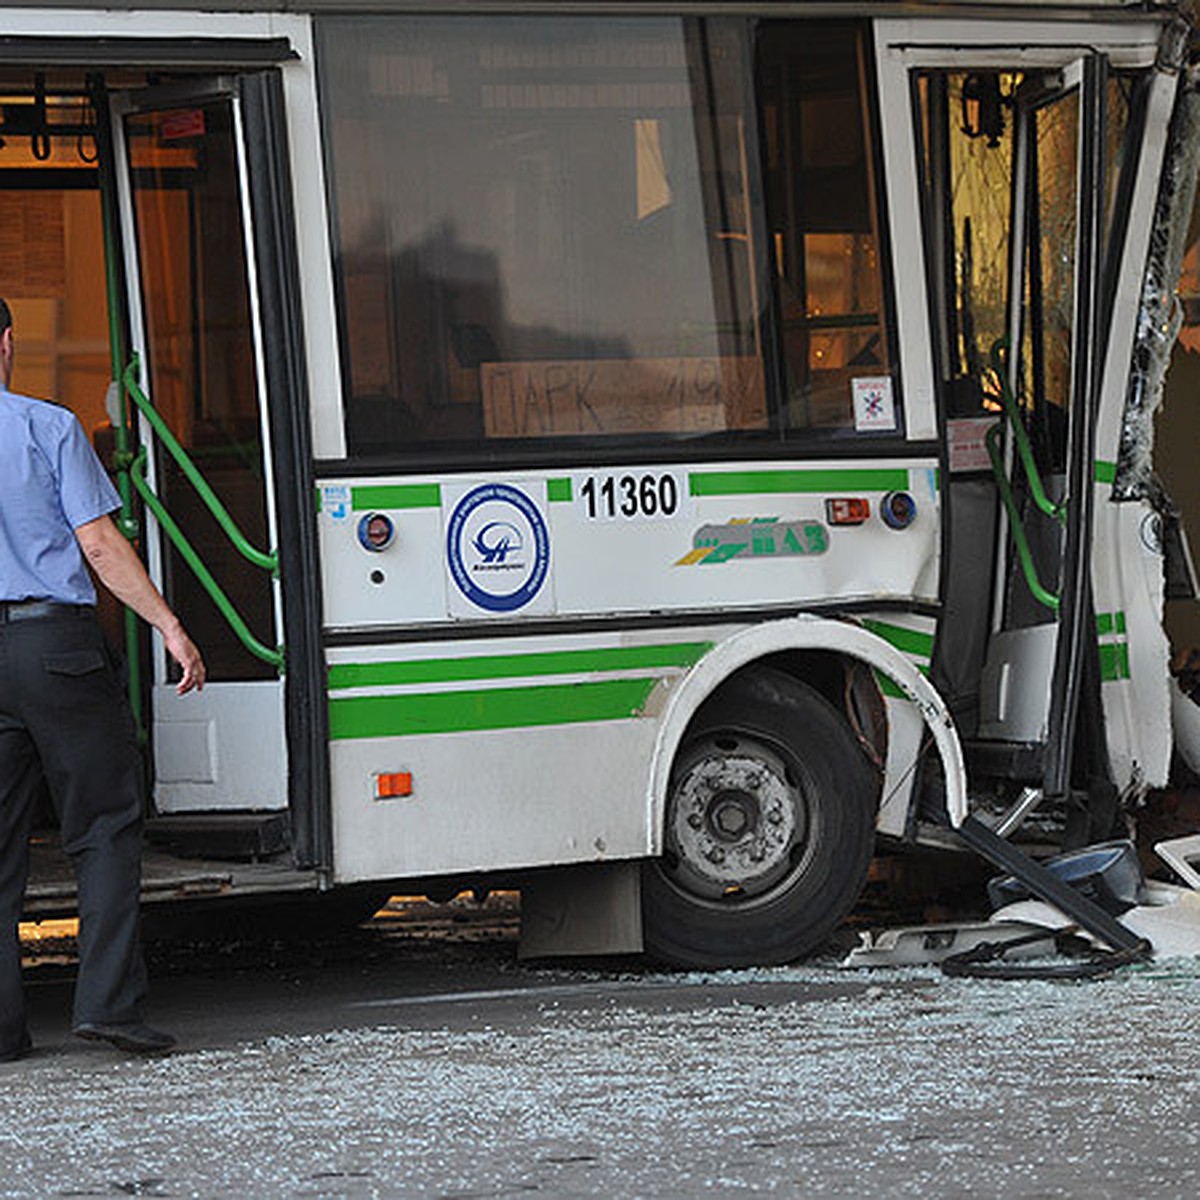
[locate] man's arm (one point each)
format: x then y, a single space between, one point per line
120 570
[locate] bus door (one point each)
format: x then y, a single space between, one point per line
199 363
1014 187
1047 379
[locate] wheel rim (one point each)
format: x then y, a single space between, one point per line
739 819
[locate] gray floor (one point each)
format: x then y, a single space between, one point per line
413 1068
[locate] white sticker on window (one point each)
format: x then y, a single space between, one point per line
874 407
966 445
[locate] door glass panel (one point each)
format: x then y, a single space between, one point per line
1123 91
967 160
966 126
1000 166
200 363
1049 284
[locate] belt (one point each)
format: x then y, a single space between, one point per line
32 610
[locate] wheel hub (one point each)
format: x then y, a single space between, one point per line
734 821
731 815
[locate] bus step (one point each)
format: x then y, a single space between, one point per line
220 835
1049 887
1023 762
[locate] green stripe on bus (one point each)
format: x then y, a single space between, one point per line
558 491
762 483
396 495
494 708
889 687
507 666
908 641
1106 472
1114 662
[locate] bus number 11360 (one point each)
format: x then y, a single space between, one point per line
632 496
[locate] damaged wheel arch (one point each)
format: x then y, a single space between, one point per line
764 799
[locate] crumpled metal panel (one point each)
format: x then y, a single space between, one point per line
1160 315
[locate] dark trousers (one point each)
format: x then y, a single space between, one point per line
65 725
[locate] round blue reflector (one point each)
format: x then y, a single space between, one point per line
376 532
899 510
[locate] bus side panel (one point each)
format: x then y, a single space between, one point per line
487 754
532 750
490 753
630 540
492 799
1127 578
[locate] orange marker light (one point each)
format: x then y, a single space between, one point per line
849 510
391 784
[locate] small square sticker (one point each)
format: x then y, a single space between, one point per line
967 445
335 501
874 407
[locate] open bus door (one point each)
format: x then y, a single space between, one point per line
97 193
1015 185
1047 382
1038 188
204 223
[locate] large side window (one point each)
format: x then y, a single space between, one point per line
554 229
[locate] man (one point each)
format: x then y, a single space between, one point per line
65 722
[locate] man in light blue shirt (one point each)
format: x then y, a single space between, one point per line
65 722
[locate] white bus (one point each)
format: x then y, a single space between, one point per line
640 454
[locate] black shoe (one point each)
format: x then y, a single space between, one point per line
129 1035
22 1048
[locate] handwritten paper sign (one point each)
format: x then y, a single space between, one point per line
639 395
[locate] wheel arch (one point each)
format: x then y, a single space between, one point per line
845 640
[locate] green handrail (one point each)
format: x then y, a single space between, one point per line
1021 438
268 562
187 552
1039 592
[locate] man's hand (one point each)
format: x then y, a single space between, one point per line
120 570
183 650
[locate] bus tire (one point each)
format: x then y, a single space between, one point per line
770 821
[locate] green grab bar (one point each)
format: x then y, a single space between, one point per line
1057 511
268 562
187 552
1034 583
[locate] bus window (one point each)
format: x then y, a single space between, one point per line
542 228
822 216
554 228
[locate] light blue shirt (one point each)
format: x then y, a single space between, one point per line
51 482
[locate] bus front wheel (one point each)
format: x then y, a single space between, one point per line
769 828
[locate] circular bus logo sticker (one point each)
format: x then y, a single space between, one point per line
498 547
